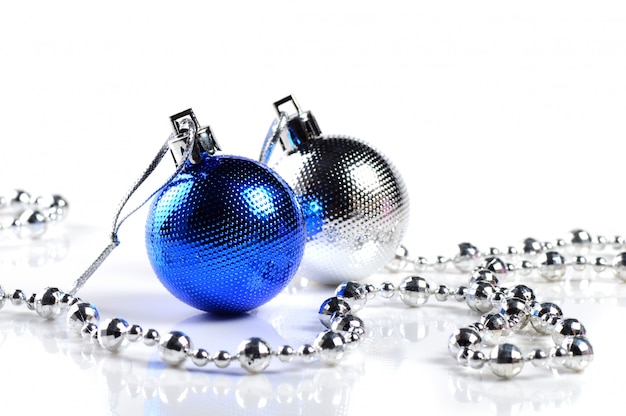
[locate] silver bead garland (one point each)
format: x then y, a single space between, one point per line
30 216
503 311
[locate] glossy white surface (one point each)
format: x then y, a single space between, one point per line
505 120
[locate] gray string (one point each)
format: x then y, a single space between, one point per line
117 223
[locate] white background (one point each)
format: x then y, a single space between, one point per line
506 120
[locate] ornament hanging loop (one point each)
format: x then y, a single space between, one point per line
188 133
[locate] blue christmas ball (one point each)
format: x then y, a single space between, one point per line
226 235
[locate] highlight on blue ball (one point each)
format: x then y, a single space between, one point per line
226 235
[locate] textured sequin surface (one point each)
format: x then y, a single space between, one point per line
226 235
355 204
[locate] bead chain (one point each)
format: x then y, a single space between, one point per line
32 215
504 311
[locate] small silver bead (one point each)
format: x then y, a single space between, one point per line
79 314
463 338
560 242
565 328
532 246
544 316
221 359
440 263
479 296
552 266
526 267
580 239
174 348
332 306
558 356
47 303
506 360
467 257
330 347
134 333
601 241
371 291
200 357
618 242
354 293
254 355
307 353
17 297
421 264
512 251
494 251
30 302
399 260
30 224
442 293
285 353
414 291
538 357
580 353
151 337
460 294
112 334
387 290
619 266
475 359
580 263
600 264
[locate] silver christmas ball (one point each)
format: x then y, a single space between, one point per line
355 203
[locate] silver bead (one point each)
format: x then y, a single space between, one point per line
618 242
30 224
479 296
442 293
332 306
495 265
515 313
285 353
254 355
47 303
371 291
463 338
111 334
475 359
569 327
414 291
221 359
307 353
440 263
348 323
580 353
580 262
496 328
200 357
601 241
30 302
19 197
532 246
538 357
399 261
558 355
526 267
467 257
482 274
421 264
79 314
151 337
460 294
498 296
2 296
17 297
560 243
600 264
54 207
619 266
387 290
552 266
494 251
352 292
506 360
174 348
543 316
522 292
580 239
88 330
330 347
135 332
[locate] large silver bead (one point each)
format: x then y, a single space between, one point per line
479 295
482 274
565 328
619 266
354 293
112 334
332 306
515 312
174 348
580 353
348 324
552 266
79 314
355 203
467 257
522 292
532 246
495 328
330 347
254 355
580 239
506 360
463 338
495 265
48 303
543 316
414 291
